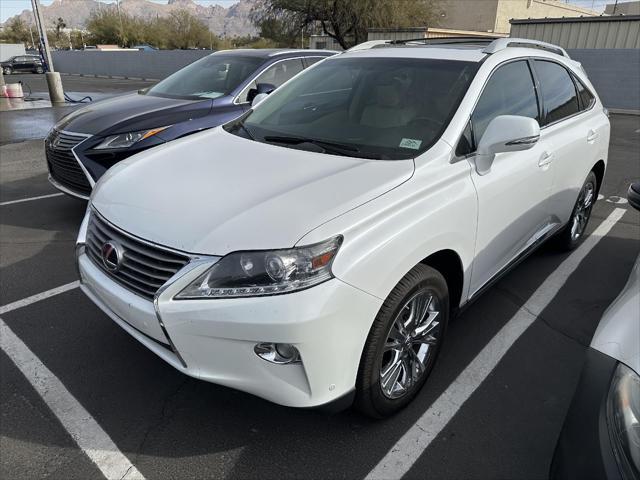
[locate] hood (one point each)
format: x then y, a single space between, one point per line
213 192
131 112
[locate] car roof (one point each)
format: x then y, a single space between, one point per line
274 52
462 52
472 49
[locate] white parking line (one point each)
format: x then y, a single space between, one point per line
30 199
84 430
408 449
38 296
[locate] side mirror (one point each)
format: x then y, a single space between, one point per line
633 195
261 88
143 91
258 98
505 133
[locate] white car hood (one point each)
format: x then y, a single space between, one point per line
214 192
618 333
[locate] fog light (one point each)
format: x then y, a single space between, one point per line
280 353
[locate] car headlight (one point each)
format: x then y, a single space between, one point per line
259 273
125 140
623 420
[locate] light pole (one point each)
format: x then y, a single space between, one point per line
56 94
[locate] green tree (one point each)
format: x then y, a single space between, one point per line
16 31
104 27
347 21
185 30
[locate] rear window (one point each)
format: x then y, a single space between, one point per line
558 91
586 97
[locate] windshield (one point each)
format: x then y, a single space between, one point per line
210 77
385 108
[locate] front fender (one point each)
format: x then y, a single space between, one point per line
385 238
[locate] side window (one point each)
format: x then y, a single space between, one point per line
509 91
558 91
276 75
586 97
308 61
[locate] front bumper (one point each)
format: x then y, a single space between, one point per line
584 449
213 340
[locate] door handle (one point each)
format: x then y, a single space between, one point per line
592 135
545 159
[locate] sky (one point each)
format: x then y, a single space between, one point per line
9 8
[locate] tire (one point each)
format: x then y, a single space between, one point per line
378 394
573 233
39 70
7 70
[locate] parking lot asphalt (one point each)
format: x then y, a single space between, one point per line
171 426
21 125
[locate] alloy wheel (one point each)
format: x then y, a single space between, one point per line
583 210
410 344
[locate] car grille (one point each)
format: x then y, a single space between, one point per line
63 166
143 269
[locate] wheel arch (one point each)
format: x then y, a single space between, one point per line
599 169
449 264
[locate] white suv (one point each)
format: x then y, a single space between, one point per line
313 251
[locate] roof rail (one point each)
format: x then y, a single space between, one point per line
502 43
444 40
368 45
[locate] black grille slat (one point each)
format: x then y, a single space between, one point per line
63 166
144 268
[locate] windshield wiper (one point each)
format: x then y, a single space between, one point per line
340 148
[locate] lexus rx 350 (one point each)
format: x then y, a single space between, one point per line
313 250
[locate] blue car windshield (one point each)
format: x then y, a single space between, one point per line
210 77
390 108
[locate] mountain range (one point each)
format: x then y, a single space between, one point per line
233 21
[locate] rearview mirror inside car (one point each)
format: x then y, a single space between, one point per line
505 133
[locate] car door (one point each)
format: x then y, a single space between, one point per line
574 135
513 209
23 64
276 74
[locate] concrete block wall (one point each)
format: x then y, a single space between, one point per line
615 73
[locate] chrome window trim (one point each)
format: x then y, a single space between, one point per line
237 97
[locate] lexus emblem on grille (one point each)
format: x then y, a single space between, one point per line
111 255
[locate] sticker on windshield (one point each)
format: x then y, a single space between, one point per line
411 143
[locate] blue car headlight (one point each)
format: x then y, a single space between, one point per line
125 140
